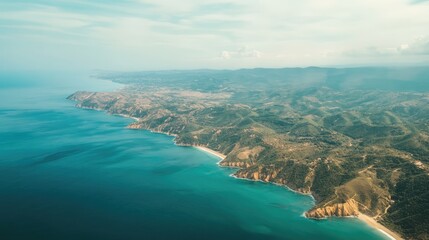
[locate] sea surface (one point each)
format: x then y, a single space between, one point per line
69 173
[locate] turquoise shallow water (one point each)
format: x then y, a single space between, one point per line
68 173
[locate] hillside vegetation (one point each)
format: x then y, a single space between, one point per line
356 139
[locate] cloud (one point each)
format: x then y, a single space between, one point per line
225 7
243 52
145 34
418 1
419 46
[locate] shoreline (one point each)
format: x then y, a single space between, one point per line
376 225
371 222
213 152
128 116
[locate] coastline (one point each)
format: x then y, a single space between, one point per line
213 152
362 217
128 116
374 224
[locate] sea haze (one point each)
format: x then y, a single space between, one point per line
68 173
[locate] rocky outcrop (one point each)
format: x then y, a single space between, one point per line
349 208
135 125
274 174
235 164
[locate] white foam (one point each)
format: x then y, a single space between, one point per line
385 233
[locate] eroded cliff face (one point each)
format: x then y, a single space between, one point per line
349 208
235 164
134 126
363 194
276 174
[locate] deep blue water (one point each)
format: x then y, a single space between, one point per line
68 173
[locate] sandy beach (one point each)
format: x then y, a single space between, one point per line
128 116
218 154
371 222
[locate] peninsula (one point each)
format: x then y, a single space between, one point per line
356 139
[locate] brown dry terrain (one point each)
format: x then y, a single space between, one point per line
356 139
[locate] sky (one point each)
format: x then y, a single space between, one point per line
193 34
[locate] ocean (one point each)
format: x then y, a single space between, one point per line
69 173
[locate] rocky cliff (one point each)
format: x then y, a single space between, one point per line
349 208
